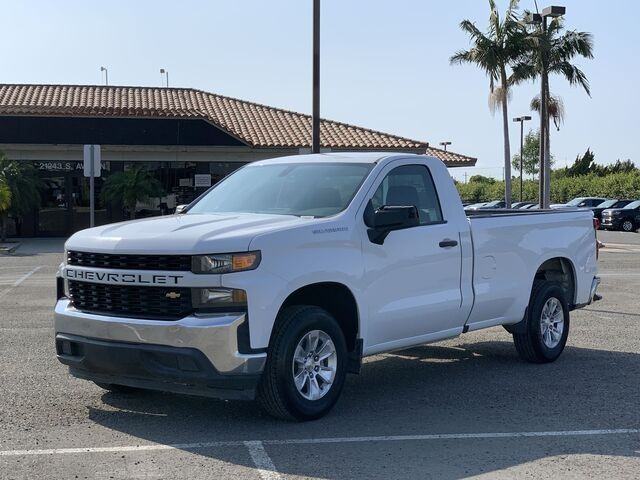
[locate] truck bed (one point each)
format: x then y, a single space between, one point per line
510 245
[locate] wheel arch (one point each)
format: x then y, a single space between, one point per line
334 297
562 270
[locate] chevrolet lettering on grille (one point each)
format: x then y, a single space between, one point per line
121 278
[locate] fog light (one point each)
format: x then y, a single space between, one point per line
218 297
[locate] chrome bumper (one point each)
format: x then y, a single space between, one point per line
593 293
215 335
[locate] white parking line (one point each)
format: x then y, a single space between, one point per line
262 461
306 441
20 280
619 274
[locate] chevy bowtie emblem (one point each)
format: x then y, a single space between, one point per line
172 295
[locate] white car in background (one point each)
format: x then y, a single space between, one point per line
580 202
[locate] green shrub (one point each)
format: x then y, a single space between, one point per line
563 188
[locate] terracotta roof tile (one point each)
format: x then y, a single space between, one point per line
257 125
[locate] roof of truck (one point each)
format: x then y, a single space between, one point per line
336 157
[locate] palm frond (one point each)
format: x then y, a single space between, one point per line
497 97
573 74
473 31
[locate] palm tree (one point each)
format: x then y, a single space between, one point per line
130 187
561 48
24 185
495 53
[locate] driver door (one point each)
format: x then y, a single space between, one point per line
412 281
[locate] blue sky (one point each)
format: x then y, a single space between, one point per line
384 63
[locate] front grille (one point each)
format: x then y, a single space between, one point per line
131 301
130 262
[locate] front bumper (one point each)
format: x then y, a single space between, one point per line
198 354
611 223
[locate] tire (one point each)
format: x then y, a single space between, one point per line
112 387
294 334
628 226
532 345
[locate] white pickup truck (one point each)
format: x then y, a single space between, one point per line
277 281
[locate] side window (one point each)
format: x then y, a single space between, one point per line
410 185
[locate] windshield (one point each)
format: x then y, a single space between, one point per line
302 189
632 205
608 204
575 202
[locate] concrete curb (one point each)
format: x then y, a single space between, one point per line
8 248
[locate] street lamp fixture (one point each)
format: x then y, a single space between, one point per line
166 74
106 75
445 144
554 11
545 164
524 118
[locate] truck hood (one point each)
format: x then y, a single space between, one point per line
181 234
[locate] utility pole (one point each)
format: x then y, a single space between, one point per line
544 188
315 116
522 119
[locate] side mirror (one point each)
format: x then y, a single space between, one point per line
582 204
180 209
389 218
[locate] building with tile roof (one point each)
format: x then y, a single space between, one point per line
177 132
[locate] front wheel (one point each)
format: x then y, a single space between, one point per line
628 226
547 324
306 365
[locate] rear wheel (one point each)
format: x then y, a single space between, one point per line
547 324
306 365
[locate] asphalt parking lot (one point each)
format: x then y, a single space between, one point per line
467 407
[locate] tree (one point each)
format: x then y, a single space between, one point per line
583 165
530 154
495 53
5 204
555 48
482 179
24 184
130 187
620 166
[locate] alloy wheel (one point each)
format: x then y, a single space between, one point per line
314 365
552 322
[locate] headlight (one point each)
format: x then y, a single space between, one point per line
225 263
219 298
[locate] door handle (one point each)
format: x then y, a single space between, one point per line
446 243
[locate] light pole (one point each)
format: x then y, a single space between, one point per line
106 75
315 114
445 144
166 74
544 188
522 119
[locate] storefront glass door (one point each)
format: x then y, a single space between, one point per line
53 215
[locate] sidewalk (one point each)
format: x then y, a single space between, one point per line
32 246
